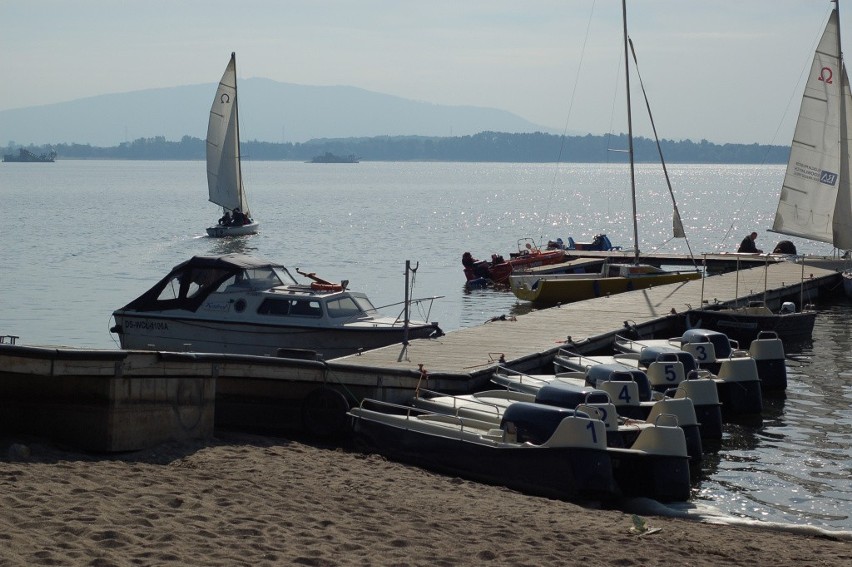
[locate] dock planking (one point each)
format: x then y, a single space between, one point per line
529 340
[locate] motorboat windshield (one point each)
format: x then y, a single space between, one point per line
255 279
351 306
189 283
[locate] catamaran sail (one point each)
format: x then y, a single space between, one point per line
815 199
224 177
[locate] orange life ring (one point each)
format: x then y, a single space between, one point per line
316 286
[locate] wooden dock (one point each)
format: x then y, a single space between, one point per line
124 400
529 341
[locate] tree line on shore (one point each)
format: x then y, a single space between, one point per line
483 147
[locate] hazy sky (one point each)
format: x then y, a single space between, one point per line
721 70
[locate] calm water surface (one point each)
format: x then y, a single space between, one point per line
92 235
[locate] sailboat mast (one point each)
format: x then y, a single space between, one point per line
630 134
839 44
243 204
840 225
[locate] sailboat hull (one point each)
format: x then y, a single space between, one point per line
567 288
223 231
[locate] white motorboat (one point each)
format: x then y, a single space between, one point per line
224 174
240 304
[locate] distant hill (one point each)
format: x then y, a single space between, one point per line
269 111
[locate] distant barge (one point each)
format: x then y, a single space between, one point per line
329 157
29 157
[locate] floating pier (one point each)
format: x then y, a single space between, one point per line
122 400
530 341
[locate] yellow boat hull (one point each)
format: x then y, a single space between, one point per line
567 288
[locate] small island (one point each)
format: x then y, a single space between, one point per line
329 157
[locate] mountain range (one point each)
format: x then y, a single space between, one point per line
270 111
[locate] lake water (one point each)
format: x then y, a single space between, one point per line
85 237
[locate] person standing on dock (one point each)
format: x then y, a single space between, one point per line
748 246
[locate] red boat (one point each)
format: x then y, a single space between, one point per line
498 269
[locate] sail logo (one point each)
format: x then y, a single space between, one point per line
828 178
826 75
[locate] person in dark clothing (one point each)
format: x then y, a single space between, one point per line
226 219
748 246
785 247
239 218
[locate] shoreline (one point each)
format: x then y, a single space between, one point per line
245 499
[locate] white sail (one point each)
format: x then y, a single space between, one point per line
815 202
842 222
224 180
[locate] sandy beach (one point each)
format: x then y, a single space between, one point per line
243 499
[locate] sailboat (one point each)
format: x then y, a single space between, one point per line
224 175
815 201
551 289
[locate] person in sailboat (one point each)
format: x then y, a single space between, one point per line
747 245
226 219
239 218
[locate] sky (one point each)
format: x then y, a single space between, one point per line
727 71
